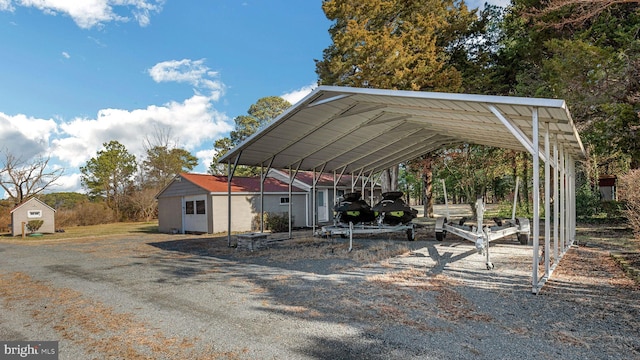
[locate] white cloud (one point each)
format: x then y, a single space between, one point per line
71 143
90 13
25 136
299 94
192 72
66 55
205 157
480 3
5 5
67 183
192 121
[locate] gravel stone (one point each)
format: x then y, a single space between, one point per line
155 296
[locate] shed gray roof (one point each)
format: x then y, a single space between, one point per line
357 129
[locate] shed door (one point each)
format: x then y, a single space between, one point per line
322 207
195 214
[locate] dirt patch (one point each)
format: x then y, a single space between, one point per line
592 267
95 326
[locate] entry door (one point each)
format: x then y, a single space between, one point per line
195 214
321 205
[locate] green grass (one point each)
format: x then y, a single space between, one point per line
98 230
616 237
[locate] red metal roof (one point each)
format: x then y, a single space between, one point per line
215 183
326 179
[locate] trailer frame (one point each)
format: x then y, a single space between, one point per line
480 234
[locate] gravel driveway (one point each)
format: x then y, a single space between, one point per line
192 297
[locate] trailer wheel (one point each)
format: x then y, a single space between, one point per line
523 239
411 235
440 235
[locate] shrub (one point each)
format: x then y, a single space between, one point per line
587 201
65 218
613 209
84 213
277 222
34 225
89 213
629 192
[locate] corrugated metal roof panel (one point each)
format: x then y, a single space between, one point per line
355 129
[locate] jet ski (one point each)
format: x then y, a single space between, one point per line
351 208
392 210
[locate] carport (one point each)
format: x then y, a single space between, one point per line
359 131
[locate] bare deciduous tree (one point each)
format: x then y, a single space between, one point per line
21 178
143 203
164 159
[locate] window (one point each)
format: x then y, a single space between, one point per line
188 207
284 200
200 208
34 213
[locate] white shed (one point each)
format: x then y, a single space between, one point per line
32 209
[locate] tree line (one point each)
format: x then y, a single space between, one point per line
119 187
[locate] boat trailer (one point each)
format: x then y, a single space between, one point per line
480 234
347 230
355 216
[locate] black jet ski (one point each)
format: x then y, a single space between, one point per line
352 208
392 210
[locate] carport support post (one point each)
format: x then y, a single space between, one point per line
536 199
230 171
515 199
563 201
572 185
567 203
313 203
262 179
556 171
292 176
336 180
547 201
335 196
314 189
229 204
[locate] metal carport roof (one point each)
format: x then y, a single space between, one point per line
357 129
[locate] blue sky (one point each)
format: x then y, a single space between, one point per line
77 74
